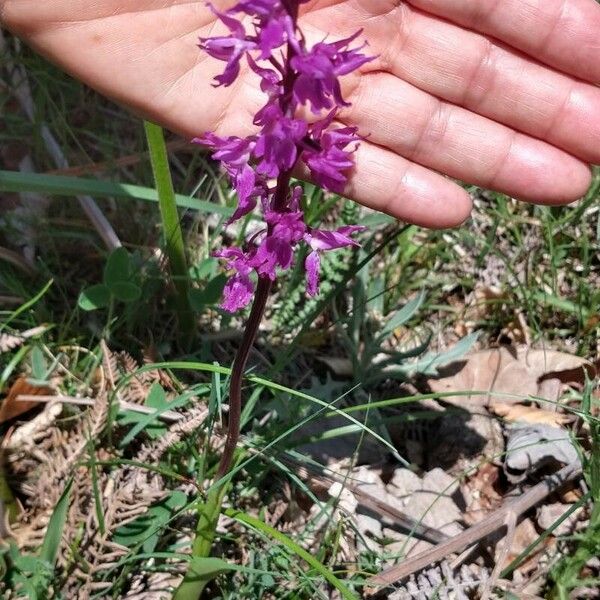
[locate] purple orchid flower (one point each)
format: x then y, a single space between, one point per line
239 289
292 75
319 71
322 241
230 49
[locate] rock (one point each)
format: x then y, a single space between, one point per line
434 500
403 483
369 529
548 514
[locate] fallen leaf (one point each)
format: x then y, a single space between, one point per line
11 407
340 367
481 494
525 533
529 414
9 341
505 370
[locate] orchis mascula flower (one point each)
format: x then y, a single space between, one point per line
292 74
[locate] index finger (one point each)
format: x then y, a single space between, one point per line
560 33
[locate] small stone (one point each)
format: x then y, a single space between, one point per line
548 514
404 482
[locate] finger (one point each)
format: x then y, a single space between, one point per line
158 72
561 33
389 183
455 141
473 71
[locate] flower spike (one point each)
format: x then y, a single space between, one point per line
292 75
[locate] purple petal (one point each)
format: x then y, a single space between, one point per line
238 293
234 25
312 265
270 80
259 8
272 36
321 240
245 187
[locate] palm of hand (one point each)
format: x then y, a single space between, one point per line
520 115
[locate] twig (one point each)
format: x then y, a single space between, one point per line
122 161
367 501
511 528
22 92
169 416
475 533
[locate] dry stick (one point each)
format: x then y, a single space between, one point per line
511 529
169 416
122 161
476 532
368 501
22 92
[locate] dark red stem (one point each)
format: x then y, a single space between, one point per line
263 289
237 374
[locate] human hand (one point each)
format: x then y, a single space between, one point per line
498 93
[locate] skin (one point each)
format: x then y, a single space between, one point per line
499 93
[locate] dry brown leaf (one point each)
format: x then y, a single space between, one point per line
529 414
341 367
481 494
520 372
525 534
11 407
9 341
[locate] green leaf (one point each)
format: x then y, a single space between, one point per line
172 233
118 267
125 291
94 297
153 520
149 423
59 185
210 294
204 269
430 363
39 368
402 316
208 567
51 542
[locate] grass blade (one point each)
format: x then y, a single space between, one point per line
51 542
172 229
60 185
284 540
